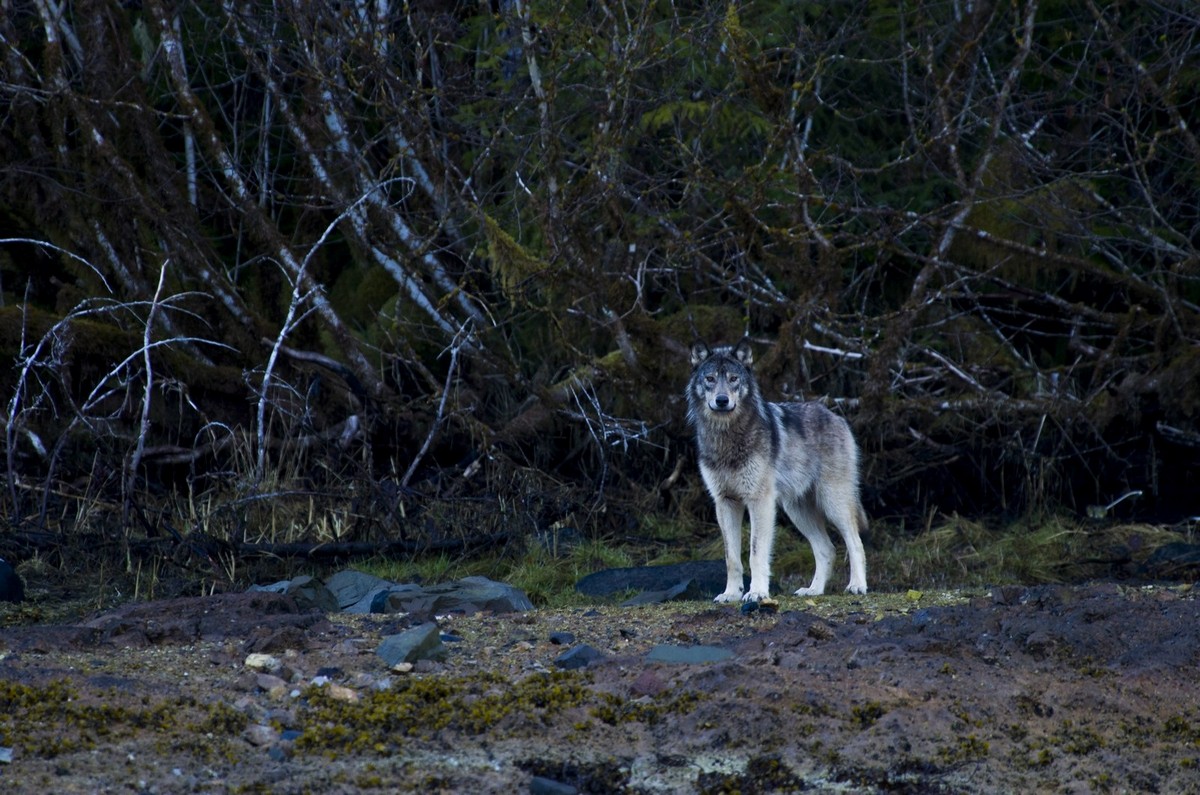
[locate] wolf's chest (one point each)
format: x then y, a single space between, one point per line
746 479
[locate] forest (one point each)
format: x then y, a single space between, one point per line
377 277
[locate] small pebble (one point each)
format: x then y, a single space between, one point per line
260 735
263 662
342 693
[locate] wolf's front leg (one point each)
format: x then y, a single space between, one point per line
762 539
729 517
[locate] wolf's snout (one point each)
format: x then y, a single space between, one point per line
721 403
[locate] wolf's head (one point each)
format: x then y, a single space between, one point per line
721 377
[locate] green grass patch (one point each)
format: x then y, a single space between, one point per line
959 552
952 553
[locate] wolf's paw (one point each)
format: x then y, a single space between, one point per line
810 591
856 587
729 596
754 596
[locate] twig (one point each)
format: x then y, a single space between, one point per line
463 334
135 460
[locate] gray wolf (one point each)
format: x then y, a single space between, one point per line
756 454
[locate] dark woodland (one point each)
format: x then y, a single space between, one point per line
278 278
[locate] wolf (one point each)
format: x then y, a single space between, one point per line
755 454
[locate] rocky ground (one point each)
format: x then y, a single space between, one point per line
1046 689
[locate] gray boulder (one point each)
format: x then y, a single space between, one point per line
469 595
422 642
350 586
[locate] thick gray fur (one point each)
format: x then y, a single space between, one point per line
756 454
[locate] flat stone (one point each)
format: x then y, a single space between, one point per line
541 785
578 657
707 578
687 655
350 586
680 590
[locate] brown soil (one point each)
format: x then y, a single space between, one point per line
1050 689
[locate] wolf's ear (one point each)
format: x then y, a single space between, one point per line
743 353
700 352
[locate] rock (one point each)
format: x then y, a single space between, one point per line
12 588
687 655
349 587
481 592
263 662
541 785
469 595
260 735
342 693
707 577
578 657
275 587
376 600
681 590
423 642
308 592
271 683
388 599
562 638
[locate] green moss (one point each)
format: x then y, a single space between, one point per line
1180 729
867 715
615 710
965 748
422 707
1076 739
222 719
762 774
51 720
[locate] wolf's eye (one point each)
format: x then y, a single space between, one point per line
733 379
710 379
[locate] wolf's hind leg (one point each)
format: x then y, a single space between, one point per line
729 518
810 524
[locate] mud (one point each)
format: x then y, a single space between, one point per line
1047 689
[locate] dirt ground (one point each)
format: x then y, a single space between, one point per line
1047 689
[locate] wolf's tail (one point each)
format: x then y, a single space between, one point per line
863 524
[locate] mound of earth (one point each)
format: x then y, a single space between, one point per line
1046 689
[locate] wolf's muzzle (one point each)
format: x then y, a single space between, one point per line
721 403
